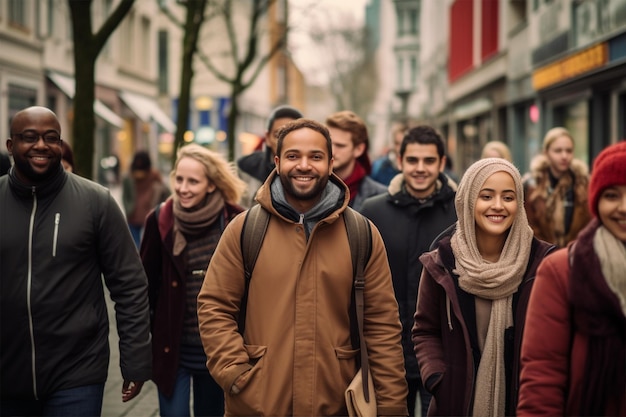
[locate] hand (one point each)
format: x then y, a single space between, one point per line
131 389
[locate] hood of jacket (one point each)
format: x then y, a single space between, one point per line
335 199
398 195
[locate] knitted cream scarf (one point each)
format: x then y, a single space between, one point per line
612 255
492 281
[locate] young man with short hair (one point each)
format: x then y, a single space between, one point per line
417 207
348 133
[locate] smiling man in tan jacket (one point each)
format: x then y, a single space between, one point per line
295 356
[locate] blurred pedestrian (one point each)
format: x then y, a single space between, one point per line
67 158
574 348
496 149
556 190
255 168
348 133
418 206
385 168
142 189
179 241
5 163
62 237
473 294
295 356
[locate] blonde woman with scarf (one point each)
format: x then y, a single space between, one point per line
179 241
473 294
574 349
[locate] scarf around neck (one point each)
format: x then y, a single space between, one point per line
496 281
194 220
330 200
597 289
353 181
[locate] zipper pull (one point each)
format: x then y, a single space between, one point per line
301 221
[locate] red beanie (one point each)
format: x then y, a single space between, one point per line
609 169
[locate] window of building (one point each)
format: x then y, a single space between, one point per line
163 62
19 98
127 45
400 78
145 42
413 22
17 13
414 71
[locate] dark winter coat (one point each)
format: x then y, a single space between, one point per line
57 241
254 170
445 332
167 275
368 188
408 229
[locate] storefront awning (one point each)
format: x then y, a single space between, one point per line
147 110
67 85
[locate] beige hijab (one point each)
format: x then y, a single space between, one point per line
488 280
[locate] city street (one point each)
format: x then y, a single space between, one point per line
144 405
147 403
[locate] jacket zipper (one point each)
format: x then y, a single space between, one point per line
57 220
28 292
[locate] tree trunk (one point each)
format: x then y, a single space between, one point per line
233 116
87 47
193 23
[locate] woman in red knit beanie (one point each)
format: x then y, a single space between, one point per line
574 347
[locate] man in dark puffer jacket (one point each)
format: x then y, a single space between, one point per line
419 205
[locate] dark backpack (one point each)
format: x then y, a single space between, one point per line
253 232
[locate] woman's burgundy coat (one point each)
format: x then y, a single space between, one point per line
166 279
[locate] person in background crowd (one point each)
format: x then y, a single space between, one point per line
448 170
295 355
67 159
176 249
386 167
496 149
5 163
62 237
418 206
255 168
556 190
574 348
473 295
352 163
141 191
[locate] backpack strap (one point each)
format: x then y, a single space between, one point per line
360 240
252 234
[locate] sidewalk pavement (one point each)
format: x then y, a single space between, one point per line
146 404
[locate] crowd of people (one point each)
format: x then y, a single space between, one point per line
496 294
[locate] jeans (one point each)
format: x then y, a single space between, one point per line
208 397
79 401
417 388
137 233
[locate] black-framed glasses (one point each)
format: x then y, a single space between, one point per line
50 138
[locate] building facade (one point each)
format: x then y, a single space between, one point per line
137 75
511 70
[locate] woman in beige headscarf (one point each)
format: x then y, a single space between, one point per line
473 294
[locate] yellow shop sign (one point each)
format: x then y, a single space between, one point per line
571 66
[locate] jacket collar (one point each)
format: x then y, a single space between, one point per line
50 186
